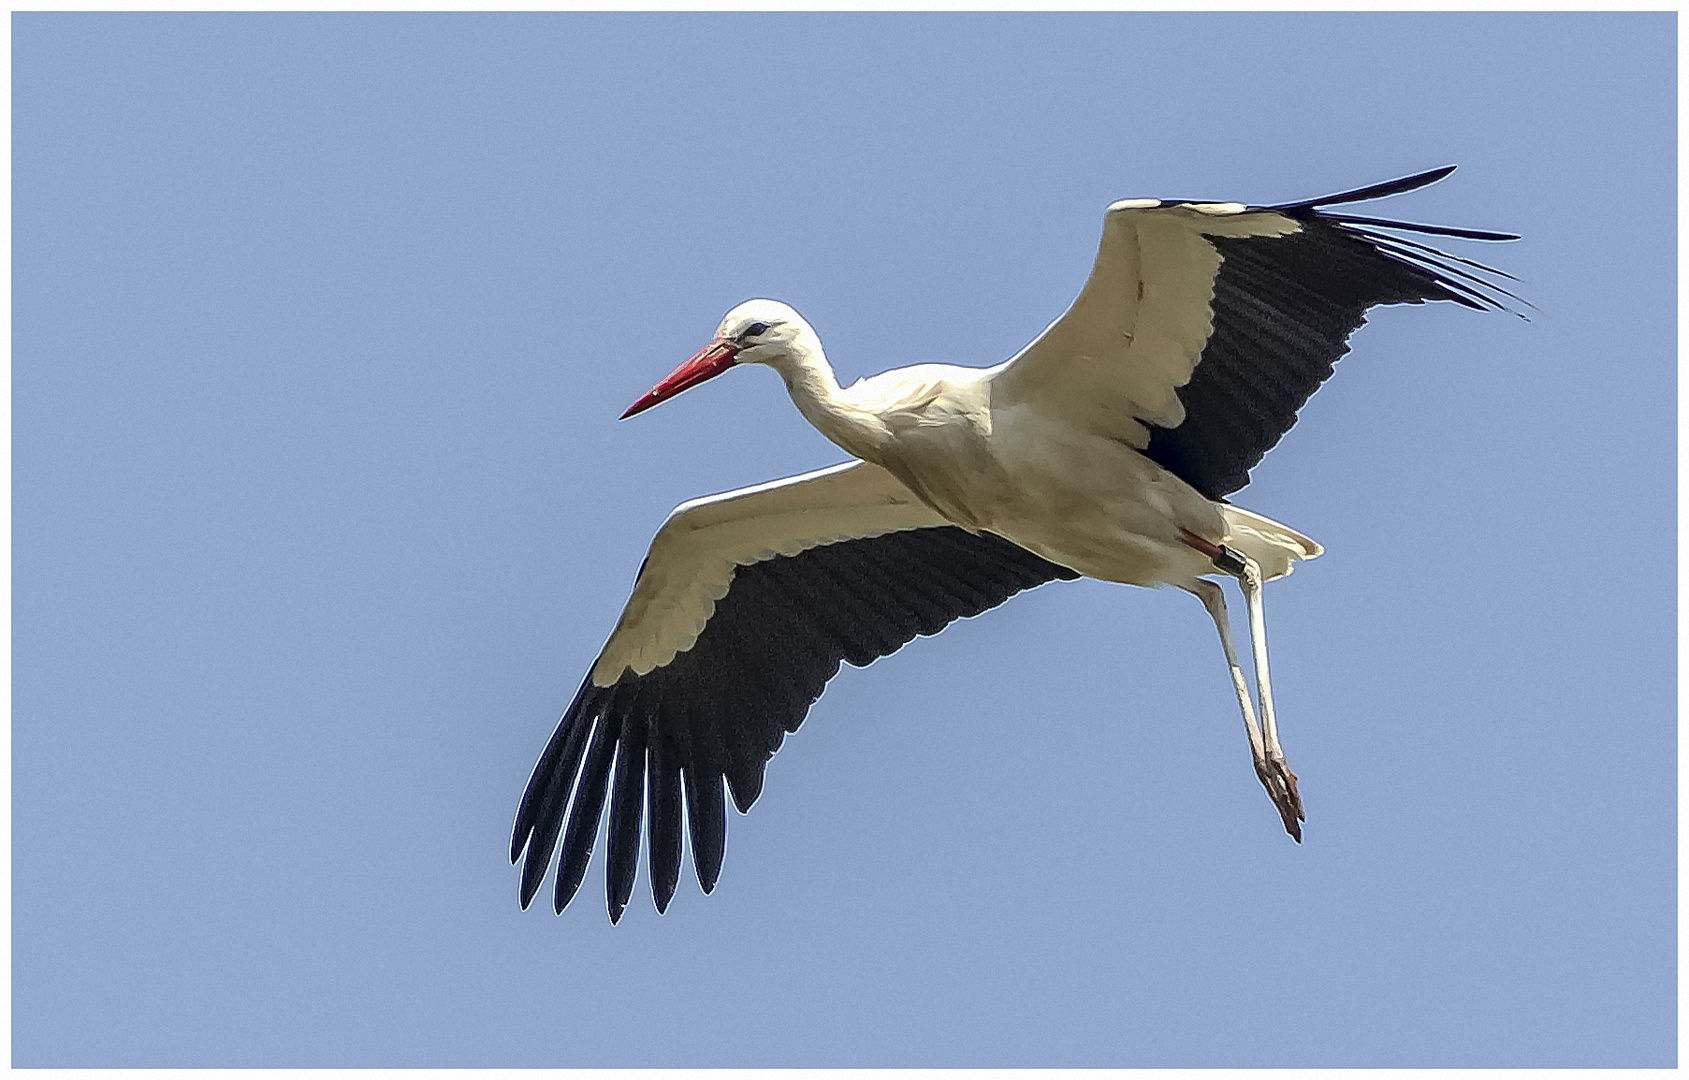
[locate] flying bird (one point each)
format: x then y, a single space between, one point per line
1105 449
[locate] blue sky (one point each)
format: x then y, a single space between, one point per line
321 510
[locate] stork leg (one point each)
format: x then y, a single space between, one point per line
1214 599
1279 781
1270 765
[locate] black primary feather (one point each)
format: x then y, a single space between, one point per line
582 829
626 802
1433 230
1371 191
720 710
706 813
663 726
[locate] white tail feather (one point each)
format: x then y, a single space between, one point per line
1275 548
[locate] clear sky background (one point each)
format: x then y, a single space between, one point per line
322 325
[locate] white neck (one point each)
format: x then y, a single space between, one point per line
816 393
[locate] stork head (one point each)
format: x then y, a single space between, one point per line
755 332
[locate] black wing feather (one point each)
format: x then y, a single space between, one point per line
721 708
540 816
706 813
1371 191
1433 230
1283 310
664 727
626 802
582 829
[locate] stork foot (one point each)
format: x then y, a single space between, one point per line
1280 783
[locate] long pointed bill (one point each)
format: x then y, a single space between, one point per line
706 363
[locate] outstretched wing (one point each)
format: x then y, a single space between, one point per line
743 610
1204 327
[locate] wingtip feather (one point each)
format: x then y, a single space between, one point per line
531 883
1371 191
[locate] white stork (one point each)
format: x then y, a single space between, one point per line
1103 449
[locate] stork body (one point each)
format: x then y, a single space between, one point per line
1104 449
1074 496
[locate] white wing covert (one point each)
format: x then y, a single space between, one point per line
700 547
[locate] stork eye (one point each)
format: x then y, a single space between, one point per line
754 329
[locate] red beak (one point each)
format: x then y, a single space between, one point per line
706 363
